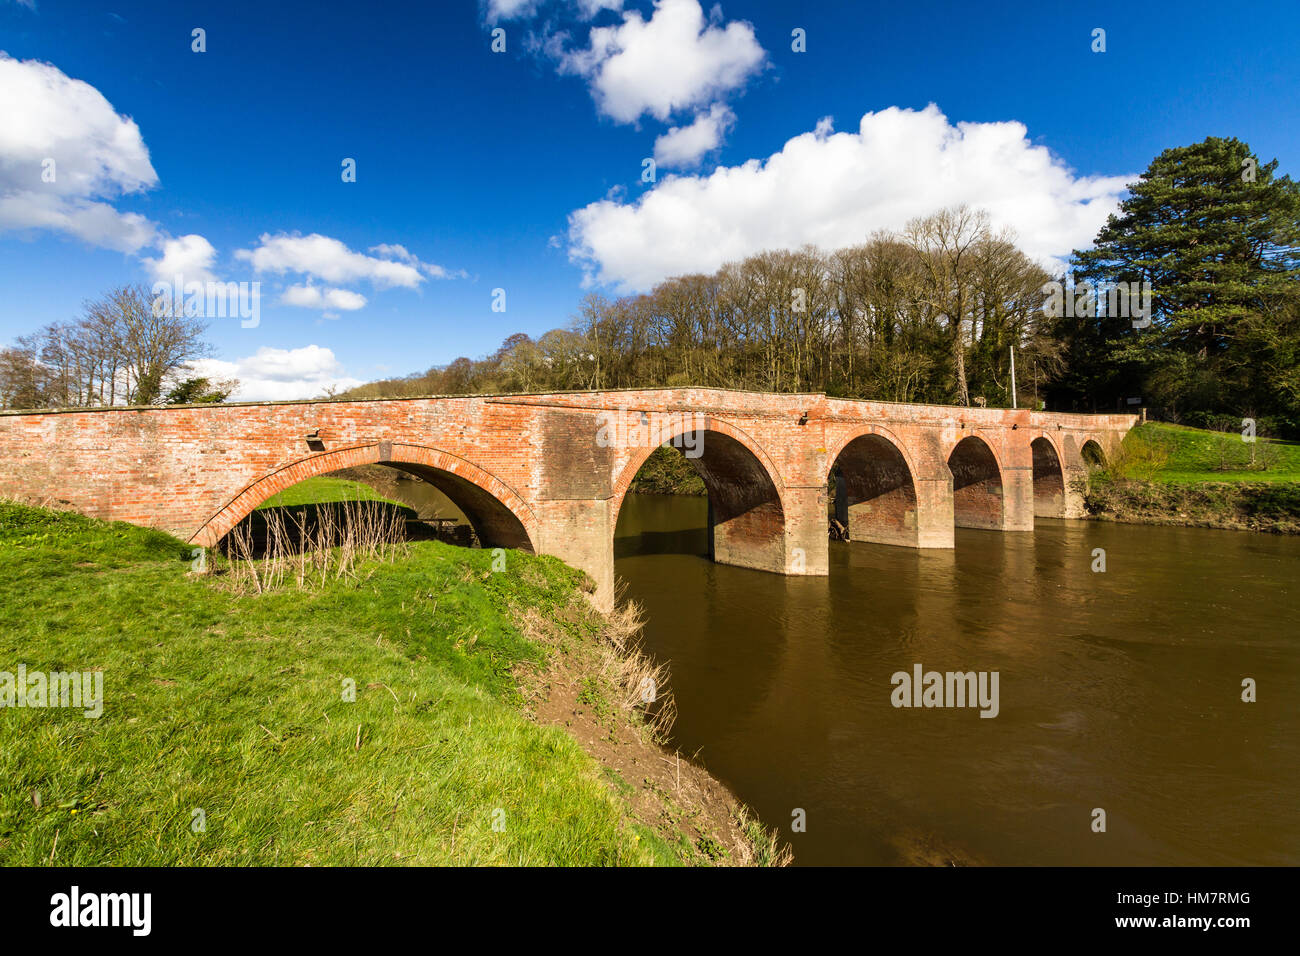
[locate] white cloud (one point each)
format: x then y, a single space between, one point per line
402 254
189 256
394 251
433 271
497 10
438 272
685 145
589 8
510 9
328 259
331 261
95 222
674 61
834 189
272 374
97 155
314 297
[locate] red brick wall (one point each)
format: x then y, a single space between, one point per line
528 468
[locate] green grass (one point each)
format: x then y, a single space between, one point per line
1170 474
1158 452
321 490
234 705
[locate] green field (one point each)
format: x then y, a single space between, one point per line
322 490
229 708
1168 474
1155 451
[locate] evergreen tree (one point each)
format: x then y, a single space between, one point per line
1217 235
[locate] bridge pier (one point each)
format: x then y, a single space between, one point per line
790 541
581 533
918 515
934 512
807 546
1018 498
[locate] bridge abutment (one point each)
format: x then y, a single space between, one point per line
580 534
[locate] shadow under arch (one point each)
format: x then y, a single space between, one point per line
875 491
746 515
1049 479
499 516
977 493
1092 455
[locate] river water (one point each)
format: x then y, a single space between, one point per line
1118 690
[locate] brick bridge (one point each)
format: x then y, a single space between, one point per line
548 473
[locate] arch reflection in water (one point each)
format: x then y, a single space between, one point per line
1118 690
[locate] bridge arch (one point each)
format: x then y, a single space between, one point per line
499 516
1049 478
875 488
747 514
978 497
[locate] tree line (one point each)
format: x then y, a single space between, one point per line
927 314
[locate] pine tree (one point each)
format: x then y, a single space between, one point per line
1217 235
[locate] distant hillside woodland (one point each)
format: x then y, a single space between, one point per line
929 314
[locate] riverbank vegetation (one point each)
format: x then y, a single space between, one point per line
667 472
1173 454
432 705
1235 506
1168 474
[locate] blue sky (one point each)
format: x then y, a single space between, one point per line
522 170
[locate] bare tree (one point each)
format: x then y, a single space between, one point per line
123 347
24 381
945 240
152 340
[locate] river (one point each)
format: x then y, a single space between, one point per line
1118 690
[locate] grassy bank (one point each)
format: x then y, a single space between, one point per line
229 710
1243 506
1169 474
321 490
1174 454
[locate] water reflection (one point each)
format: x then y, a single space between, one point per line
1119 690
